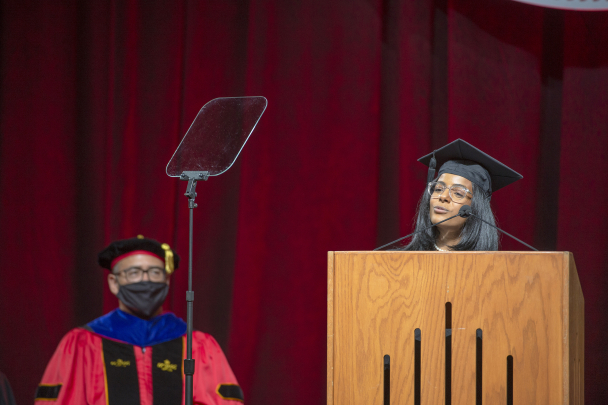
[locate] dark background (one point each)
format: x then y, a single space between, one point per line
95 96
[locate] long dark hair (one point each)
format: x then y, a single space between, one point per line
475 235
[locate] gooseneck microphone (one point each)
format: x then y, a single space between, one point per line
468 212
461 213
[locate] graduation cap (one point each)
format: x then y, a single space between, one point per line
123 248
463 159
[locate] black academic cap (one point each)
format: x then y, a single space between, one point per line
463 159
120 249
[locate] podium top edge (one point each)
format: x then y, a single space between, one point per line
443 253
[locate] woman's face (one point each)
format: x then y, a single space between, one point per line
442 206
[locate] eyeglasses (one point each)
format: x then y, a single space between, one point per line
136 274
457 192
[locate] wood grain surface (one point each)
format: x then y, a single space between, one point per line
529 306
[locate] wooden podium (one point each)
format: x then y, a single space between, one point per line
454 328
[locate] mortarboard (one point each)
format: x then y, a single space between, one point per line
463 159
123 248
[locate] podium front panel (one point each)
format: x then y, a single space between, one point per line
458 327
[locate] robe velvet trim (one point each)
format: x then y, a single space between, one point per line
119 325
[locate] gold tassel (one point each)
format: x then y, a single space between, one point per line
168 259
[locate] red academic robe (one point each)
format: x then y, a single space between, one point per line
78 373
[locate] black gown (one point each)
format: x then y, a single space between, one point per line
6 394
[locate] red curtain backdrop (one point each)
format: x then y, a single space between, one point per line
95 96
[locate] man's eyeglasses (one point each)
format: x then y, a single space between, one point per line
458 193
136 274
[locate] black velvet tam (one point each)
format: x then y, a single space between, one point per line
124 246
463 159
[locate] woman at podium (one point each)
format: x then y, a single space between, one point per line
466 176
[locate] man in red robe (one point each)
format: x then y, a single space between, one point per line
134 354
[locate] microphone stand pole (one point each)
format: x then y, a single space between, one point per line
192 178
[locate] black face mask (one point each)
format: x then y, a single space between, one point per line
145 297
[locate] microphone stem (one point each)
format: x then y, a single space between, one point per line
407 236
505 232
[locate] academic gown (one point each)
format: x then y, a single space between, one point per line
120 359
6 393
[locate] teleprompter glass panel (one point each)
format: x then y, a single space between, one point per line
217 135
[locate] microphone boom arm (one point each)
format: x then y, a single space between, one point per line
407 236
465 212
505 232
